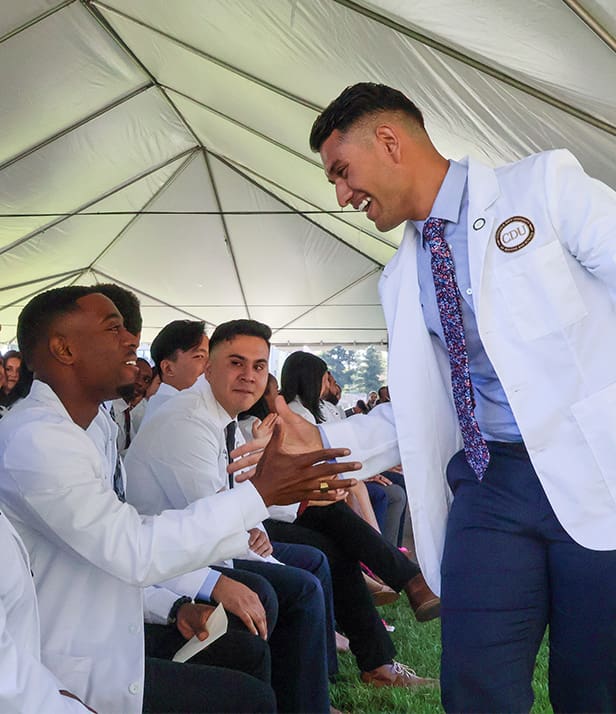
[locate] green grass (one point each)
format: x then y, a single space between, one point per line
418 646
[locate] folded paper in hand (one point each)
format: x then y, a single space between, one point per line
217 625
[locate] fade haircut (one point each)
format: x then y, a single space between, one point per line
227 331
358 102
40 313
181 335
127 303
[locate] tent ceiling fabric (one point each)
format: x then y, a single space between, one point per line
164 145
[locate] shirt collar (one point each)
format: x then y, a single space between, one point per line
215 410
42 393
167 389
448 202
119 406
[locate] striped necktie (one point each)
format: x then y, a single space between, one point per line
450 311
118 481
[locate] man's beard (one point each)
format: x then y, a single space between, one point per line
127 392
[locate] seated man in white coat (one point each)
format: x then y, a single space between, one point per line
91 553
179 352
182 454
26 685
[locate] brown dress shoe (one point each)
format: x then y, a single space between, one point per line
396 675
424 602
381 594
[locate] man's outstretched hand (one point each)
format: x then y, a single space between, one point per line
282 477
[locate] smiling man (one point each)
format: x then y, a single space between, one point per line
181 455
90 552
502 326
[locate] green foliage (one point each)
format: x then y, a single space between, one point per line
418 646
357 370
342 364
370 373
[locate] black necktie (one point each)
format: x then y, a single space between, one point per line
127 427
230 443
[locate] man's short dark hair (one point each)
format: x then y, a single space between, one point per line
356 102
127 303
227 331
177 335
38 315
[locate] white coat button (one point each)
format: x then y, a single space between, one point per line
469 291
133 688
479 224
134 629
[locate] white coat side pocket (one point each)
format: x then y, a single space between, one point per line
73 673
596 417
539 291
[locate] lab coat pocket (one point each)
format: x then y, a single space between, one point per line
73 673
596 417
539 291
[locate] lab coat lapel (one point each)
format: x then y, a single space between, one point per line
483 191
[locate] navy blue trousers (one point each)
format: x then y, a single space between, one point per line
314 561
509 570
298 640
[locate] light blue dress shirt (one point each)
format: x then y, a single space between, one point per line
492 410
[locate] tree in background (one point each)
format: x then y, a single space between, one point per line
342 363
356 370
369 375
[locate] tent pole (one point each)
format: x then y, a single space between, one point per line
592 23
480 66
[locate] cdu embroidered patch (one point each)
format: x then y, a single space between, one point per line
514 233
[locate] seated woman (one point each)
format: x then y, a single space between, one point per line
16 382
347 540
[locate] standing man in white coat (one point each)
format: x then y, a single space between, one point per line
502 372
92 553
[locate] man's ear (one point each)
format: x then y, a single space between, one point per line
388 140
207 370
166 368
60 349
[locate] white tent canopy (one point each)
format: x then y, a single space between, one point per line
163 145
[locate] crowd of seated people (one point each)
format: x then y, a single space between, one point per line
119 507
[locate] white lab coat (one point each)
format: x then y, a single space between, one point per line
91 554
546 317
179 456
26 685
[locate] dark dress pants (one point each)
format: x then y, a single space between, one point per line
187 688
237 649
314 561
509 569
346 539
233 674
297 643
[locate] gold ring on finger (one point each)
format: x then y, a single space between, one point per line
323 487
